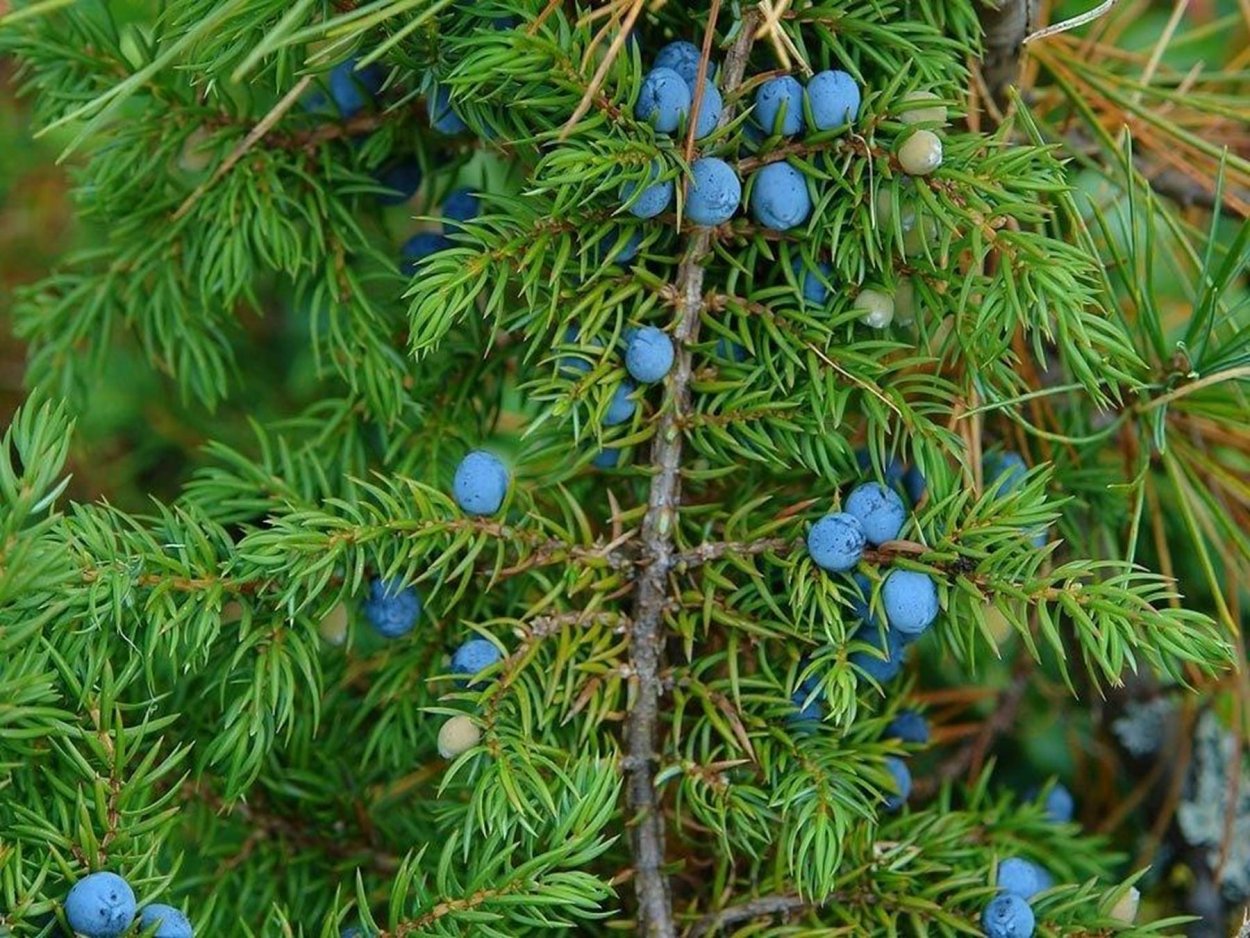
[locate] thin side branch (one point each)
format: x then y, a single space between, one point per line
1072 22
762 907
257 134
715 550
655 913
700 78
618 43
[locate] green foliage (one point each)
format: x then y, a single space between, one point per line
174 702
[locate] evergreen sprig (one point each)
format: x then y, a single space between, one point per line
181 697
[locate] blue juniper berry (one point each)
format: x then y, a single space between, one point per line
908 726
100 905
621 407
683 58
910 600
1007 916
652 200
833 98
714 194
480 483
663 100
172 923
779 106
392 608
474 656
879 509
649 355
836 542
779 197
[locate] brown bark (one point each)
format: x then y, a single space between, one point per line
642 731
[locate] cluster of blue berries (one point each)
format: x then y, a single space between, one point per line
460 206
351 89
665 101
102 905
780 198
649 357
779 195
479 487
874 514
1009 914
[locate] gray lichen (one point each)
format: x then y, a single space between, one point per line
1202 814
1143 728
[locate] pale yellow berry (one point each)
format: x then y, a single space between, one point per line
884 206
910 114
333 627
877 308
457 735
1125 908
918 232
196 152
921 153
997 624
905 302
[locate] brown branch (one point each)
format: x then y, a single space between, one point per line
256 134
1006 23
358 125
700 80
764 906
601 73
655 914
856 145
715 550
546 551
705 553
448 906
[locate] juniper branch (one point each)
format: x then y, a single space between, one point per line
258 133
715 550
655 917
762 907
1006 24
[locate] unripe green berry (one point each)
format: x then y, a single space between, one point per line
876 308
921 153
458 735
905 302
333 627
911 113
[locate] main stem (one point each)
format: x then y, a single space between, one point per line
1005 24
655 913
